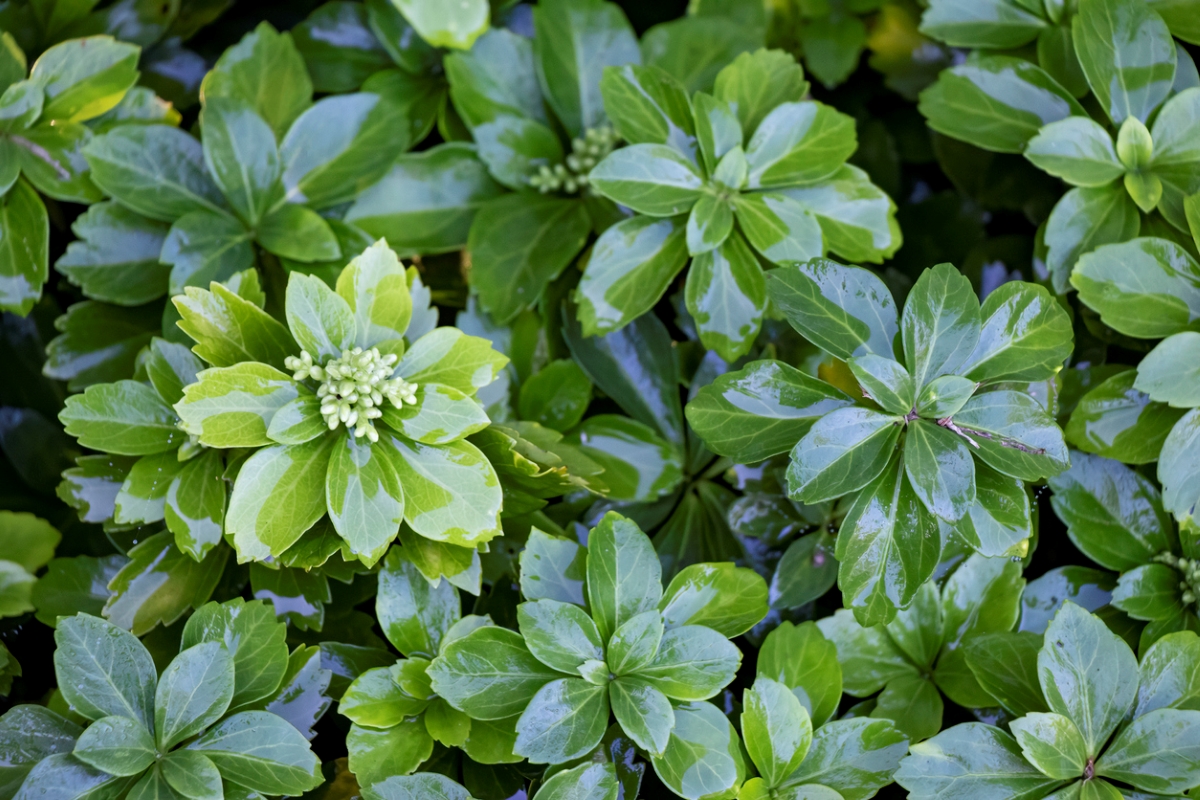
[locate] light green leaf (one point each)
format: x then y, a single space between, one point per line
971 760
693 663
624 577
1076 149
24 247
560 635
631 265
553 569
1157 752
364 497
194 692
565 720
1013 434
451 492
125 417
999 24
799 143
448 356
195 504
777 729
203 246
779 227
1169 373
239 149
940 468
1127 54
228 329
261 752
757 83
940 325
278 495
730 600
1083 220
703 756
1026 335
160 583
442 26
727 297
857 218
1148 288
83 78
233 406
1179 465
489 673
117 745
648 106
375 286
115 255
652 179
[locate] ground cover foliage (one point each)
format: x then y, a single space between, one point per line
583 400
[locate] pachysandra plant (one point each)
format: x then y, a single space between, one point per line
1147 289
28 543
1124 51
753 171
940 433
266 163
797 748
1116 518
1104 727
589 780
42 136
347 417
535 113
598 636
396 715
206 722
919 655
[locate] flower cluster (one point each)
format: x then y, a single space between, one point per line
586 152
353 387
1189 569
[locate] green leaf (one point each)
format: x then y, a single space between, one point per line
265 70
842 452
1175 153
799 143
103 670
945 396
634 644
643 712
448 356
971 759
319 318
496 77
857 756
1005 665
156 170
255 639
757 83
940 469
375 286
1083 220
83 78
695 48
1127 54
203 246
191 775
63 777
914 706
1167 676
704 756
24 244
709 224
560 635
652 179
801 658
364 497
125 417
776 728
760 411
565 720
730 600
573 43
1013 434
413 613
339 146
115 255
999 24
888 546
779 227
1087 673
377 755
1179 467
550 231
261 752
233 406
170 367
648 106
556 396
194 692
1115 420
143 494
160 583
1078 150
717 129
624 577
489 673
422 786
428 200
295 232
552 569
857 218
338 47
376 700
195 505
229 329
1025 335
239 149
726 297
585 782
940 325
631 266
1160 376
995 102
441 26
1149 592
1113 514
1148 288
451 492
846 311
1157 752
117 745
278 495
693 663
